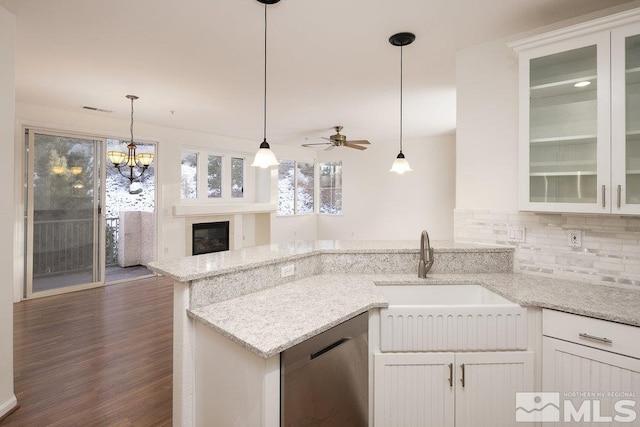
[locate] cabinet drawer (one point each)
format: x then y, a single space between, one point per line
596 333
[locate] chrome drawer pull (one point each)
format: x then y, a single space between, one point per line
594 338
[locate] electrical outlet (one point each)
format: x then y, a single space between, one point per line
574 238
288 270
516 234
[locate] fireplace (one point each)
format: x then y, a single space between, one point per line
210 237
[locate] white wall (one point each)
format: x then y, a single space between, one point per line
381 205
487 127
8 217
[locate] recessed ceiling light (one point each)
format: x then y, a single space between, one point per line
582 84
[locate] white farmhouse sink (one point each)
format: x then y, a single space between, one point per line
450 318
442 295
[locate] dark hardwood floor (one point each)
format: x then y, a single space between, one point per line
100 357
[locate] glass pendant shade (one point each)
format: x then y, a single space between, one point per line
116 157
400 165
145 159
264 157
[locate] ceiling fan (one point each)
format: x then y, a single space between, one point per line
340 140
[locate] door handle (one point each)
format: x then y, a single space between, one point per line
450 374
586 336
462 376
619 195
604 192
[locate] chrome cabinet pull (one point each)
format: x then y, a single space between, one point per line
594 338
604 191
619 195
462 377
450 374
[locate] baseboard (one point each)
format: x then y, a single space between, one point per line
8 407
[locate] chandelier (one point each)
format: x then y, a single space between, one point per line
131 159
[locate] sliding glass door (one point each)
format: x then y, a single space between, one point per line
64 229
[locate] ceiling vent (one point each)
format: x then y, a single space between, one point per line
102 110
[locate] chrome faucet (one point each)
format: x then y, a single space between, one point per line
426 255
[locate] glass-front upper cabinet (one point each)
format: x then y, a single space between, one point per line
580 117
625 92
564 125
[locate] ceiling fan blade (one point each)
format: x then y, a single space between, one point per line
317 143
357 147
359 141
330 147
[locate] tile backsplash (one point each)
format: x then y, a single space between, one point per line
609 253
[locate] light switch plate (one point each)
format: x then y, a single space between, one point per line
516 234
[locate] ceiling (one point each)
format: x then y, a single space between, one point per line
198 64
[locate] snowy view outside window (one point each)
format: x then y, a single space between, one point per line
295 187
214 176
304 187
331 188
237 177
286 187
189 174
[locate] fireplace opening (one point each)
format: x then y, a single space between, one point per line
210 237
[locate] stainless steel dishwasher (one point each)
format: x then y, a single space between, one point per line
324 380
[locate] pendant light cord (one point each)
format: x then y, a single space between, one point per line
265 74
400 99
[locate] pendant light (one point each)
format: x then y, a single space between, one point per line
264 157
401 165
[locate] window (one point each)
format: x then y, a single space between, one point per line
296 187
331 188
304 187
209 176
214 176
189 174
286 187
237 177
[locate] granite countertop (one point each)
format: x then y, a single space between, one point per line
270 321
196 267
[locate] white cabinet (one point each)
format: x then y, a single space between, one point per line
449 389
580 118
593 367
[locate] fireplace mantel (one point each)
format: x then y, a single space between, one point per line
187 210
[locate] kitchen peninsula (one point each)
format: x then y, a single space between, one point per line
261 301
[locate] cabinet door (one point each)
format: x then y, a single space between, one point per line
413 389
590 381
625 132
565 125
486 387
